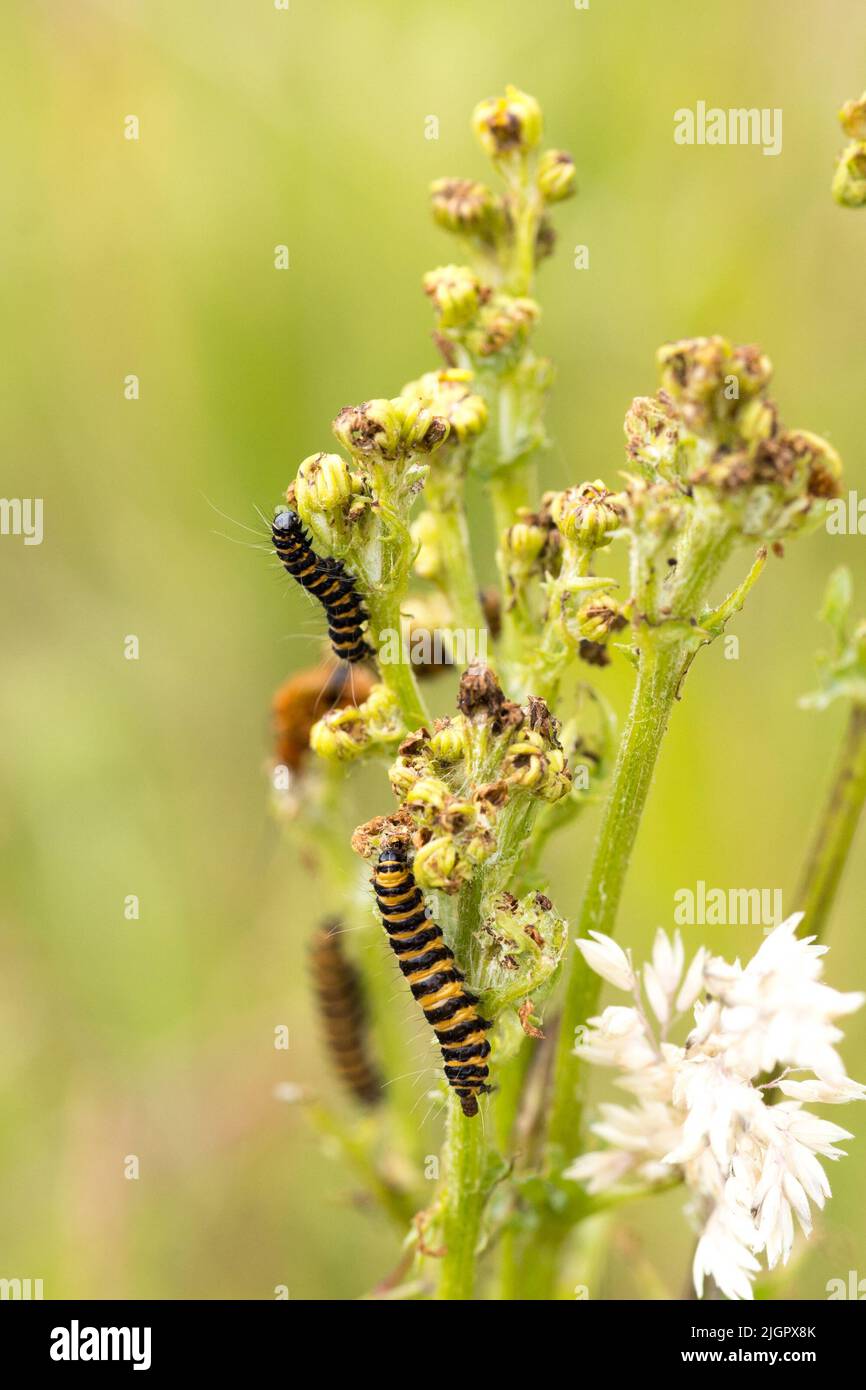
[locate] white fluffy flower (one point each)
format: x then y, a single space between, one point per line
776 1011
607 959
701 1112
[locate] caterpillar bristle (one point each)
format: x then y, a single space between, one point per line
434 977
340 1000
328 581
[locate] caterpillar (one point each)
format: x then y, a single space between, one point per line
299 701
340 999
328 581
434 978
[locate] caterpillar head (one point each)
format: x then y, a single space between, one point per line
393 855
286 521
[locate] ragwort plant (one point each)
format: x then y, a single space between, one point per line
711 476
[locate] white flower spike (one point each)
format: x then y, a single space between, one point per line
607 959
705 1111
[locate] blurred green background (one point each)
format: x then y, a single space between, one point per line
155 257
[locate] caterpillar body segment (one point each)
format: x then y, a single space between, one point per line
340 1000
328 581
435 979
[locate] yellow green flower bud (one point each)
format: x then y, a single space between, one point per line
758 420
525 547
459 816
652 434
508 125
501 323
402 774
524 542
587 515
480 846
694 368
448 394
448 742
429 794
324 483
852 118
598 617
435 863
464 206
339 736
425 534
370 428
752 368
822 463
557 779
456 292
849 181
381 713
555 176
344 734
421 431
389 430
525 763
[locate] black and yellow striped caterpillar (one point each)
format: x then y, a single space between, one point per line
341 1006
328 581
433 976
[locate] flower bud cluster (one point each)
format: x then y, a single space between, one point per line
508 125
466 208
485 312
325 483
712 436
389 431
342 735
588 515
449 396
455 783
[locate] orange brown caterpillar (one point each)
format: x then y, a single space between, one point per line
340 998
326 580
301 700
433 976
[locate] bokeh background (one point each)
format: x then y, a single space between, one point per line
155 257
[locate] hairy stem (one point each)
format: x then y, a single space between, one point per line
464 1156
464 1201
655 691
398 676
835 833
445 500
662 664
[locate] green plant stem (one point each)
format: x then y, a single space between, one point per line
654 695
397 676
509 491
662 665
465 1152
459 583
464 1201
835 833
527 216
